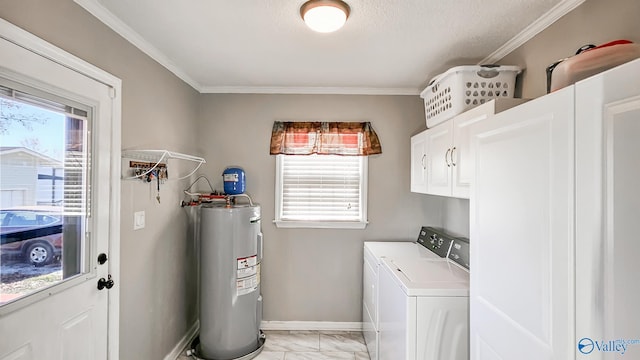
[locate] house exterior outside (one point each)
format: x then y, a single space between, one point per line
29 178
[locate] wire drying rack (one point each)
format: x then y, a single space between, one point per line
155 158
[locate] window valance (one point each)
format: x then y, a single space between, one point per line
324 138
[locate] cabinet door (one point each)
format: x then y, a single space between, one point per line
462 173
521 209
607 208
439 145
419 163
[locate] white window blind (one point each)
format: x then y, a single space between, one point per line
321 191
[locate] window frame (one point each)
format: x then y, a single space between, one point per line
321 224
37 94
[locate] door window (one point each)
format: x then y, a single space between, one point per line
44 158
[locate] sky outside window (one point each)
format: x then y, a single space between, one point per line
43 133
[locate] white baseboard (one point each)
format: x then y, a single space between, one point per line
311 325
184 342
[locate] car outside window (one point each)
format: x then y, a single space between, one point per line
23 219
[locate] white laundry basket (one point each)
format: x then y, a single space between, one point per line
464 87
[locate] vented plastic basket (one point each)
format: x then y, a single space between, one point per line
464 87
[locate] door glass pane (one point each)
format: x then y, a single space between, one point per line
44 200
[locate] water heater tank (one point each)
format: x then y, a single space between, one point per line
234 181
230 301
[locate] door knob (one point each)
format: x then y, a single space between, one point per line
102 283
102 258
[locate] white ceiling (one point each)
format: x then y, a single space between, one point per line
262 46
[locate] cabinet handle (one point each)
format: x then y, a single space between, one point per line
452 150
424 165
446 159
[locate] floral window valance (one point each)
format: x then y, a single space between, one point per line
325 138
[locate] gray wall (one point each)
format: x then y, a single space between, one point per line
315 274
594 22
308 274
158 111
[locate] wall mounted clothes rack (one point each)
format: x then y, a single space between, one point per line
152 165
155 159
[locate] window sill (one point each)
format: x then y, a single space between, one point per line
320 224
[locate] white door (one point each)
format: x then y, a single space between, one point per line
67 320
419 163
439 140
522 232
607 208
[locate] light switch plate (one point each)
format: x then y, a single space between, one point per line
138 220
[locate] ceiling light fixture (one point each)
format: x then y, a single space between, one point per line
325 16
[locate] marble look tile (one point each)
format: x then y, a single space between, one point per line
270 355
325 355
311 345
342 342
278 342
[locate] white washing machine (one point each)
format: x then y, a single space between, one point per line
432 244
424 307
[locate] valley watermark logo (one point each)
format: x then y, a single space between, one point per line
587 345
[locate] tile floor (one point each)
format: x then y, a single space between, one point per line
312 345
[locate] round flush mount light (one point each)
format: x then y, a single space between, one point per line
325 15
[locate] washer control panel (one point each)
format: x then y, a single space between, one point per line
435 240
460 252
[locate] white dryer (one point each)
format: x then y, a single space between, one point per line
432 244
424 307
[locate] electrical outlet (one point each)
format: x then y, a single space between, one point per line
138 220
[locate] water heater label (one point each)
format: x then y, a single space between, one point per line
247 285
247 262
247 272
230 177
248 275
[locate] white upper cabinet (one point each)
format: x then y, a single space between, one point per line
419 163
439 141
553 207
440 155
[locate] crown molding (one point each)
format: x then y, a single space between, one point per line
546 20
307 90
101 13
